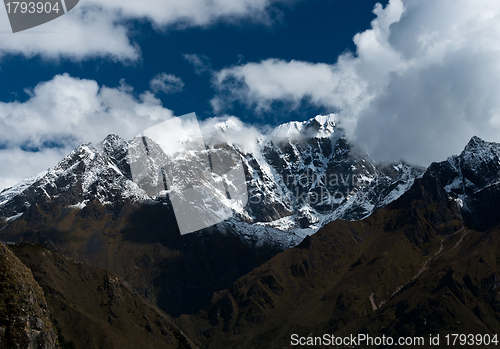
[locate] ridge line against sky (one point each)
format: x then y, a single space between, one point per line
416 84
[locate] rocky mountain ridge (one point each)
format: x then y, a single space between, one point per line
473 179
303 175
424 261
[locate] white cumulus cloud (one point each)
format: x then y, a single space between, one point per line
259 84
422 81
63 113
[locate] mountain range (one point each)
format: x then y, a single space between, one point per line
329 240
301 175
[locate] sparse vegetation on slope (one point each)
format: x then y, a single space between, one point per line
94 308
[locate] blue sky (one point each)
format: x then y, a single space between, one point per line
313 31
411 79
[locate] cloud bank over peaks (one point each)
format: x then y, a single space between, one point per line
63 113
231 130
423 80
350 84
258 85
100 28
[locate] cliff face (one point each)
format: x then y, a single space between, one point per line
24 318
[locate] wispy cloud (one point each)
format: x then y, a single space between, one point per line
166 83
200 63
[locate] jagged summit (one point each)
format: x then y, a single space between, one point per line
319 126
474 143
468 176
113 143
321 123
478 146
90 172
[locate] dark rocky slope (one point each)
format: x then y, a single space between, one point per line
143 245
24 317
94 308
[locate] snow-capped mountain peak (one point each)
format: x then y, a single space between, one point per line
299 177
320 126
471 176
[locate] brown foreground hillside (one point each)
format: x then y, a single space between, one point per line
143 245
94 308
24 317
